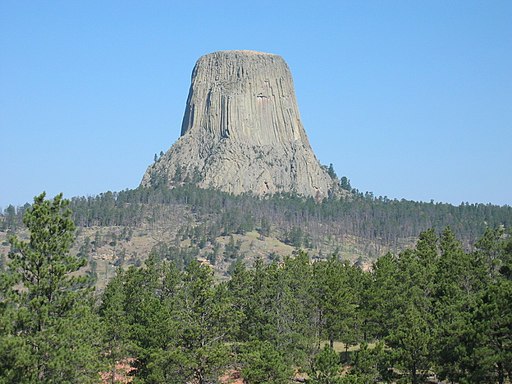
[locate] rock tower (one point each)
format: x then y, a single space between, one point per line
242 131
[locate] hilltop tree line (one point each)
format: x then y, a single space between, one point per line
299 221
435 310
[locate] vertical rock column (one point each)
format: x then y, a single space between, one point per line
241 131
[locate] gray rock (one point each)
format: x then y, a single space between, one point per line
242 131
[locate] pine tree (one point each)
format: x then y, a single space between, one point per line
412 335
326 367
264 364
291 308
50 332
369 364
208 320
115 327
337 301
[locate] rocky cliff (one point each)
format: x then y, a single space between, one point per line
242 131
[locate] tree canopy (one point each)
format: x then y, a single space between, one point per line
433 311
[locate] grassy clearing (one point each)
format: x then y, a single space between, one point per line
342 347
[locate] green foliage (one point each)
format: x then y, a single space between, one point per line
179 256
48 328
345 183
373 218
432 309
413 335
115 329
295 237
208 320
337 298
326 367
176 325
262 363
370 364
11 219
332 172
232 249
292 307
437 308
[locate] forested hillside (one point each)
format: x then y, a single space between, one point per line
186 223
432 312
362 215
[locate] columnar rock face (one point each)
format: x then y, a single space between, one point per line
242 131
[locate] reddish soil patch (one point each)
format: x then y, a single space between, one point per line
231 376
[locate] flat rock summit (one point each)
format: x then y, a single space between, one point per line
242 132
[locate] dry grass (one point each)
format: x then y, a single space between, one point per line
340 347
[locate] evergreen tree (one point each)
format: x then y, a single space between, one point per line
48 331
455 297
345 183
369 364
262 363
256 323
208 320
493 322
413 334
326 367
10 220
383 296
239 288
292 308
115 328
337 301
492 317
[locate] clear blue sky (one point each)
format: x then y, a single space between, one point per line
408 99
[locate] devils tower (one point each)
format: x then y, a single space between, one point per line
242 132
